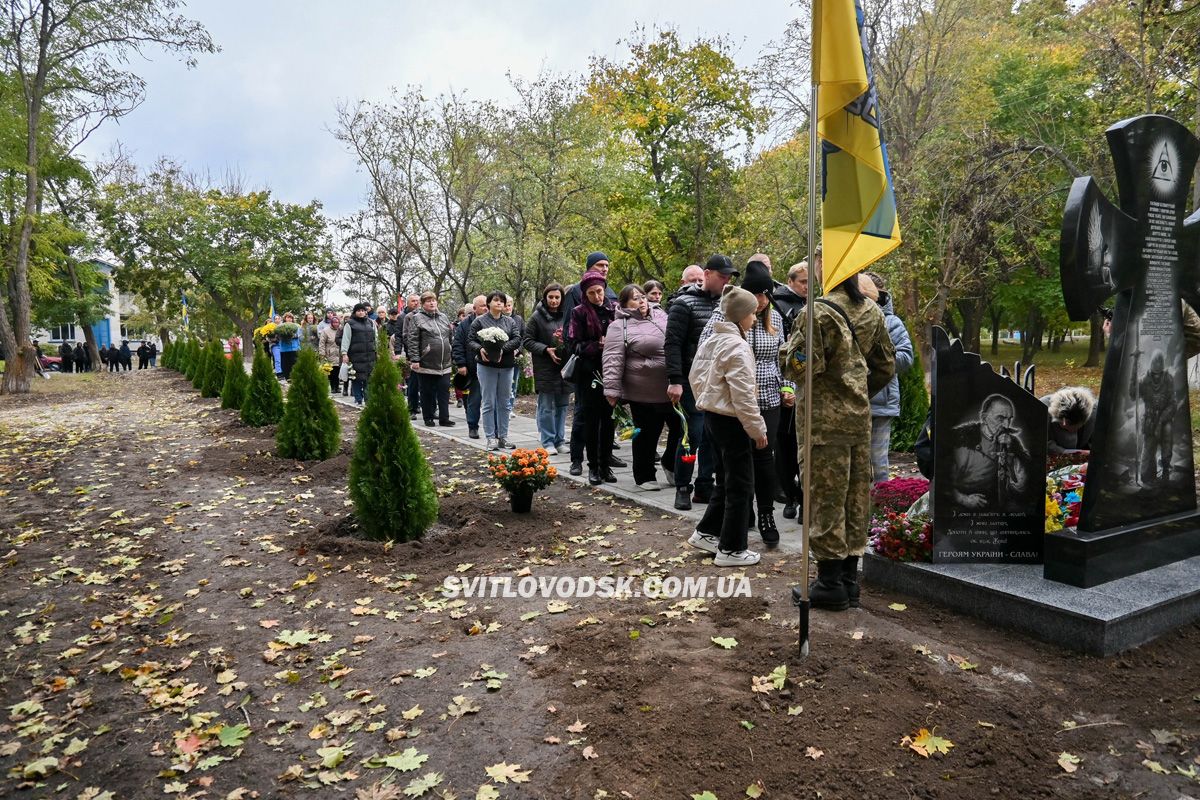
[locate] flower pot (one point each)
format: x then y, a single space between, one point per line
521 500
495 353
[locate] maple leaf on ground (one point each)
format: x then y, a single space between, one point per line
461 706
925 743
589 752
705 795
505 772
487 792
813 753
419 786
724 642
406 761
577 726
1068 762
233 735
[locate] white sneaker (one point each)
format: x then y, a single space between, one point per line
558 451
650 486
670 481
702 541
491 445
738 558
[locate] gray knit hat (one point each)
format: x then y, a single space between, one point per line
737 304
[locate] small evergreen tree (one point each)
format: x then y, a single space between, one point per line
914 405
214 376
391 483
310 429
202 358
189 359
263 403
164 356
194 360
233 389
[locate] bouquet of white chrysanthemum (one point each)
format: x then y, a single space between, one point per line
493 336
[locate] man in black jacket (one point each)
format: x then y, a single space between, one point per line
689 313
789 299
465 365
66 357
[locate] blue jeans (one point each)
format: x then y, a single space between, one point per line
512 398
358 387
703 465
495 387
552 418
471 403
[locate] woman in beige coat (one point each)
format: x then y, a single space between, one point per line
725 388
330 350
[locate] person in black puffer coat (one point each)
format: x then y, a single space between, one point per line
689 312
66 358
553 393
358 349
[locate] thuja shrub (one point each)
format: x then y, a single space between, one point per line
263 404
914 406
310 429
214 374
233 390
193 359
391 483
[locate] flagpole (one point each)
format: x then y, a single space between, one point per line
806 473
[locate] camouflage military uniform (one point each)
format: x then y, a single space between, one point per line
1157 393
845 366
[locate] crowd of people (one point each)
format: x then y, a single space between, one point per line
712 365
76 358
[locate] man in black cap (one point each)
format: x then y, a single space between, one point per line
597 262
686 319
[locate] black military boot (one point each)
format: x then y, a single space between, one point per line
829 593
850 579
767 529
683 498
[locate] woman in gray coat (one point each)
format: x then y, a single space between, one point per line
546 342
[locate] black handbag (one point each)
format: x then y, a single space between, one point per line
568 370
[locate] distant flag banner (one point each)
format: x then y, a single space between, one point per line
183 294
858 206
271 318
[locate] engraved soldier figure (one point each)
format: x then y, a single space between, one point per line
1157 393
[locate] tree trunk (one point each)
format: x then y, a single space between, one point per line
1096 340
950 325
997 316
972 317
164 336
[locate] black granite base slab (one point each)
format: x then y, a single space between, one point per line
1118 615
1090 559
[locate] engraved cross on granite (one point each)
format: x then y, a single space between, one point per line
1148 254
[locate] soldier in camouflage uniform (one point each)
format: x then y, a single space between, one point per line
1157 393
853 358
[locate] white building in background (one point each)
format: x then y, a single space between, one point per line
108 330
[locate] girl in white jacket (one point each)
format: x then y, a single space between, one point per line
725 389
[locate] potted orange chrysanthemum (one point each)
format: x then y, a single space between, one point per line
521 473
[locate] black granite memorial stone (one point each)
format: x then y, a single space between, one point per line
989 447
1139 501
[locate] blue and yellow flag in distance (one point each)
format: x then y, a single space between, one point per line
183 294
271 316
858 207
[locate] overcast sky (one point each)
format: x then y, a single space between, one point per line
263 106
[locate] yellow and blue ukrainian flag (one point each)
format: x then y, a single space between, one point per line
858 206
183 294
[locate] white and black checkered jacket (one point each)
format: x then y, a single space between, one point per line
766 356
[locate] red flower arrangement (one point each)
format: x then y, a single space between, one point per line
898 494
901 537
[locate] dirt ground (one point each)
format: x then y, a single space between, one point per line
187 615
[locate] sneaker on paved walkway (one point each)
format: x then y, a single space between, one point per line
738 558
702 541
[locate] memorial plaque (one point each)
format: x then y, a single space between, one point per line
1141 463
989 445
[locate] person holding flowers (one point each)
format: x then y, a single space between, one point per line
329 349
635 371
547 346
288 335
493 341
723 380
586 332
